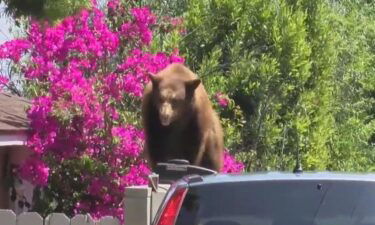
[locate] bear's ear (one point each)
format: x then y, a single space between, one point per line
154 79
191 85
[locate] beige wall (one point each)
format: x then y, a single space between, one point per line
9 155
3 190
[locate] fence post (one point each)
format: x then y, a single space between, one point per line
137 204
82 220
29 218
108 220
157 197
141 203
57 219
7 217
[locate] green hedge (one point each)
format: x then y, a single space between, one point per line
299 75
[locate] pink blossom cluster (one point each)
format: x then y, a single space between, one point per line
115 7
99 187
231 165
221 99
169 24
130 139
3 82
84 80
35 170
140 63
140 28
14 49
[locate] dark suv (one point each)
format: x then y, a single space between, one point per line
270 199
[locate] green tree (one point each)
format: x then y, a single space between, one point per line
285 66
51 10
352 145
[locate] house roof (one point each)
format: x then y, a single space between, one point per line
13 113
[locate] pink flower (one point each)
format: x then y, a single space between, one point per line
14 49
3 82
35 170
138 66
130 140
113 4
143 16
231 165
137 175
140 28
222 99
176 21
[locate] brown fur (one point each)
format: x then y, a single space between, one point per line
191 129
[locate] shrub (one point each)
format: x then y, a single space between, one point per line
86 77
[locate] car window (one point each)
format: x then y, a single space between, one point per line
280 203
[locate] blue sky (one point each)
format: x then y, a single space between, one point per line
5 24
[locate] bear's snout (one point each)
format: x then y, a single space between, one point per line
165 114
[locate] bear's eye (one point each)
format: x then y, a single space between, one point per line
174 102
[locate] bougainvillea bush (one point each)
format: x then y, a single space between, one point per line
86 76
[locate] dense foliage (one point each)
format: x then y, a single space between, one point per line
86 77
299 75
51 10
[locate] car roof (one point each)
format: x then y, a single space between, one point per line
283 176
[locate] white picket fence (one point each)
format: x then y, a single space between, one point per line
8 217
141 205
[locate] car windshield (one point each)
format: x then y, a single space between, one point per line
304 202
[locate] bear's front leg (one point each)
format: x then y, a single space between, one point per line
209 154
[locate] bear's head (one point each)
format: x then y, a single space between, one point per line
172 97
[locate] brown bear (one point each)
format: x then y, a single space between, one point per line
179 120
